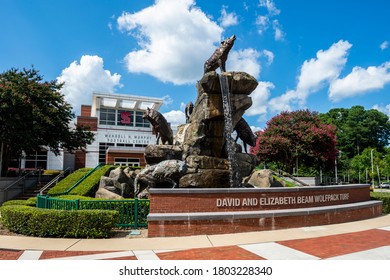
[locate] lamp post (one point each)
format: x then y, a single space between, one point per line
372 167
1 157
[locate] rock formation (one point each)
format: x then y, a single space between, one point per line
201 142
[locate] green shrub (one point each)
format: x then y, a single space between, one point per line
58 223
68 181
89 185
28 202
49 172
385 198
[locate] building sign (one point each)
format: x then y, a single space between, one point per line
125 118
281 200
125 138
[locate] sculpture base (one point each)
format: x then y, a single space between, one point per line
184 212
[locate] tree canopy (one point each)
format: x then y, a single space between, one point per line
296 136
358 129
33 113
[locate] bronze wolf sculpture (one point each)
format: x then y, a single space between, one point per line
219 57
244 132
166 171
160 126
188 111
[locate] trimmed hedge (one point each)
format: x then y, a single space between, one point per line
68 181
29 202
58 223
385 198
89 185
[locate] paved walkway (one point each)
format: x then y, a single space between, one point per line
362 240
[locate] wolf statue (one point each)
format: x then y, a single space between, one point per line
160 126
188 111
244 132
167 171
219 57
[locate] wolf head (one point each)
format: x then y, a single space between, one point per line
229 41
148 113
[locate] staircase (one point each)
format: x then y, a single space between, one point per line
30 192
43 187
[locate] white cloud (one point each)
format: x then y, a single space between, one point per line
384 109
325 68
315 74
384 45
279 34
228 19
244 60
82 79
260 98
167 100
175 118
255 128
269 55
271 8
263 22
283 102
360 81
175 38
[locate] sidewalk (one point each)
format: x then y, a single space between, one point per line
367 239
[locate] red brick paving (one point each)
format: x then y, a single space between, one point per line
214 253
341 244
6 254
322 247
133 258
64 254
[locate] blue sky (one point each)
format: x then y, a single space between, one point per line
305 54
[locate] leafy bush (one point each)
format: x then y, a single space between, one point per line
89 185
385 198
28 202
68 181
49 172
58 223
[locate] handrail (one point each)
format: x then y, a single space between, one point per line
285 174
23 178
17 181
54 180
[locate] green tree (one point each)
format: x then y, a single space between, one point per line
368 161
358 129
297 138
33 113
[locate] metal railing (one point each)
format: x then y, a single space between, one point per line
132 212
282 173
20 182
55 180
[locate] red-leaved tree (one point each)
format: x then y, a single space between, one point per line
296 136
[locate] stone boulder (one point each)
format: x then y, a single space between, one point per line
261 178
119 184
157 153
239 82
264 179
206 178
245 163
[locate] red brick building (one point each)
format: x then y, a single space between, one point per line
121 134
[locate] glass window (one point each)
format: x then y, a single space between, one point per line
102 151
37 160
107 116
139 121
127 161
